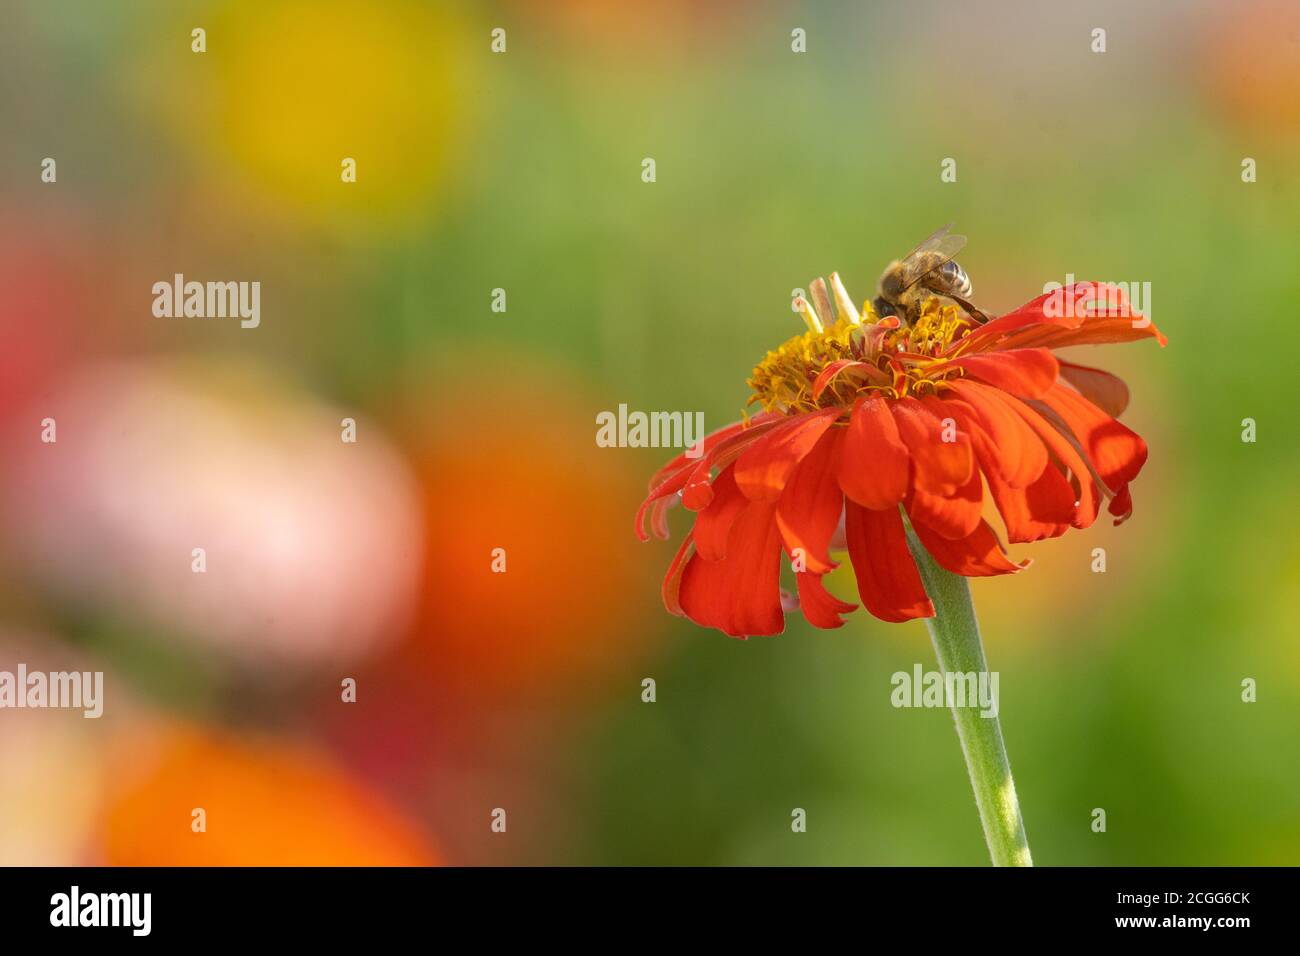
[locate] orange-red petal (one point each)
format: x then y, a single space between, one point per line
659 516
698 490
1021 455
1043 509
819 606
1108 392
939 466
1087 501
834 369
1031 325
764 467
954 515
809 509
711 441
740 594
1098 331
1049 309
1117 452
1121 506
873 459
673 579
713 524
1024 372
888 582
979 554
669 486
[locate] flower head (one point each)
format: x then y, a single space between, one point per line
865 419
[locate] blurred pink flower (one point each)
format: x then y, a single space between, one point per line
311 545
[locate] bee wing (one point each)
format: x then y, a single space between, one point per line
934 237
930 255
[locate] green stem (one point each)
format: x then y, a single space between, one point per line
956 637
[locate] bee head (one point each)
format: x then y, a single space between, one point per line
891 282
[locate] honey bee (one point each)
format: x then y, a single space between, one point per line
929 269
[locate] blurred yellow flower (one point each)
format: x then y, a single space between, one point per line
291 91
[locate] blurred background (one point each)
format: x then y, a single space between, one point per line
475 429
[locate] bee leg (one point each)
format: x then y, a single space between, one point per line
979 315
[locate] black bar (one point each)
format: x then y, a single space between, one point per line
443 905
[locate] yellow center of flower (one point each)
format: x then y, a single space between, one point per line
937 328
893 359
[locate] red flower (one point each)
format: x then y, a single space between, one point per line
863 415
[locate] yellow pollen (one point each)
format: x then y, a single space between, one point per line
894 361
937 327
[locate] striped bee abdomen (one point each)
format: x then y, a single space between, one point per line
952 278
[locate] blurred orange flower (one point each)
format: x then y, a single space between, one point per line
1250 65
264 803
543 492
